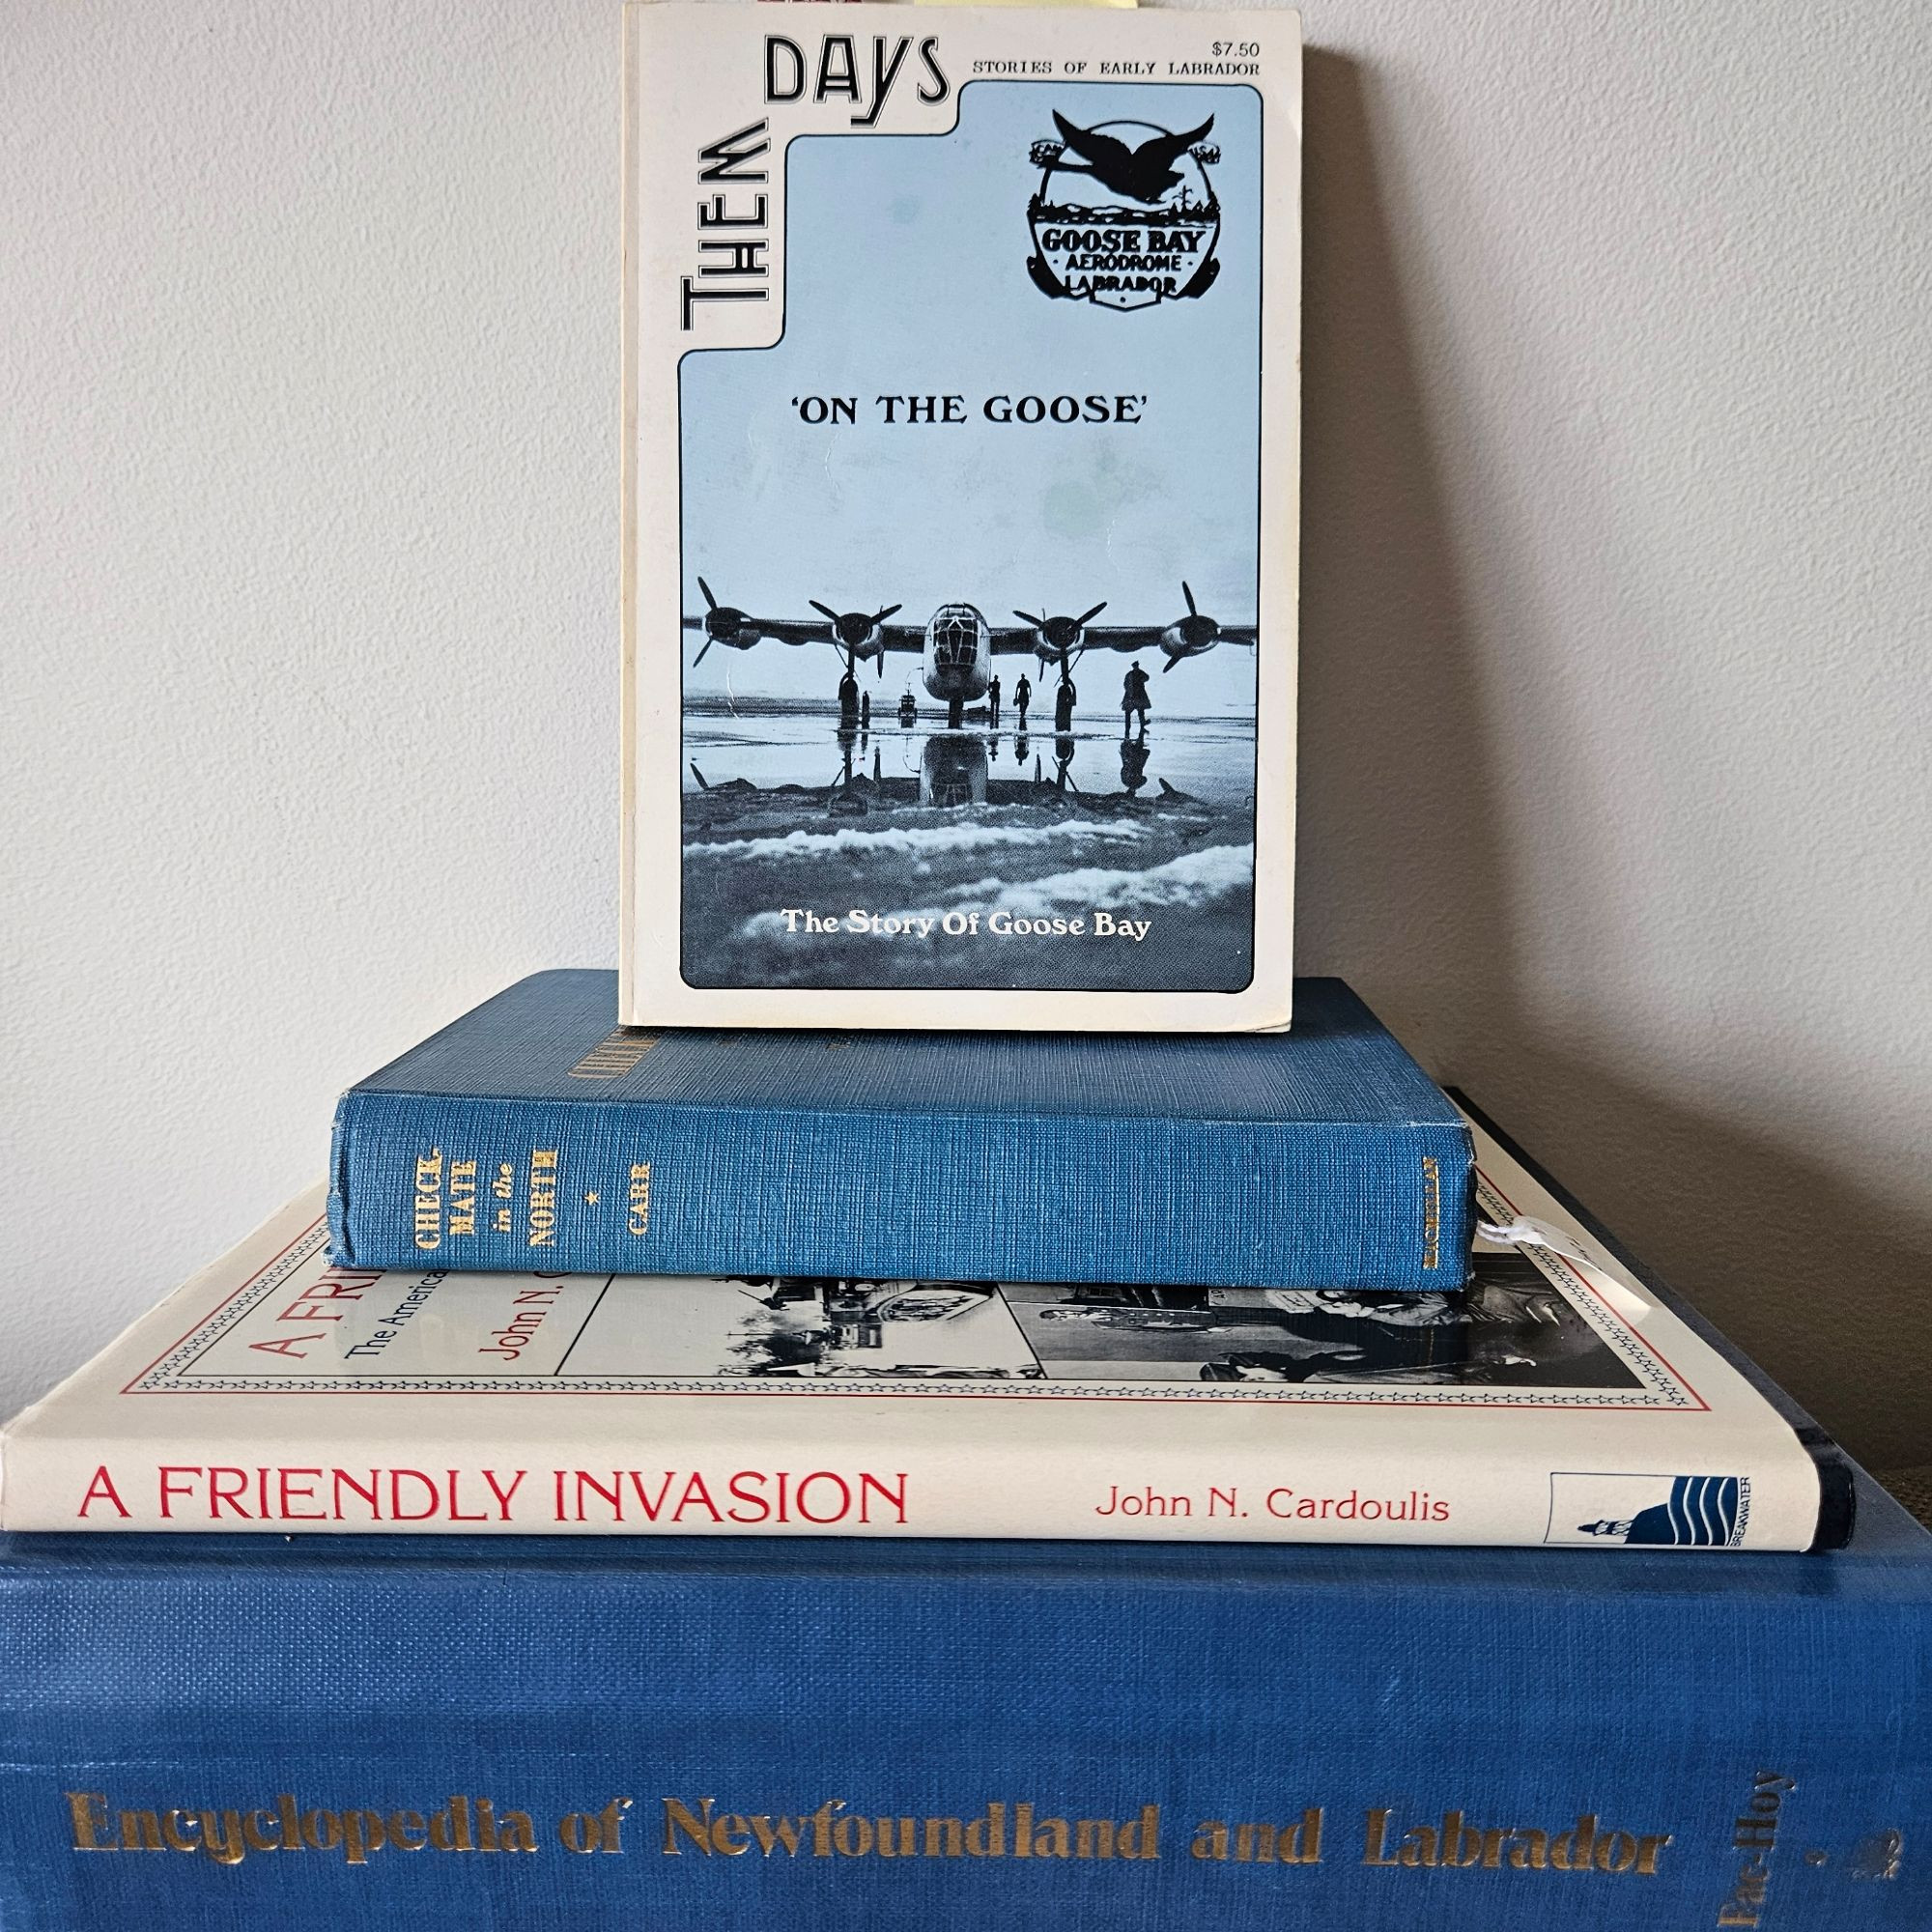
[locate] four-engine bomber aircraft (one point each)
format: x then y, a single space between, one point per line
958 646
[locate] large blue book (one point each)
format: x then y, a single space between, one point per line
536 1134
445 1734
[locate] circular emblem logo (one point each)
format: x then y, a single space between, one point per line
1125 213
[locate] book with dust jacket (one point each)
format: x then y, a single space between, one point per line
961 491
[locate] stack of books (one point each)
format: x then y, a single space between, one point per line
952 1391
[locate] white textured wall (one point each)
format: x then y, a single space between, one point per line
1617 675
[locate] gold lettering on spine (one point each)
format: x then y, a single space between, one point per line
678 1817
1262 1843
429 1200
1451 1844
996 1831
615 1055
1431 1211
222 1837
1211 1839
262 1831
542 1208
462 1197
140 1831
89 1813
838 1830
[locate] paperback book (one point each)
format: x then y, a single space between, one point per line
535 1132
1554 1401
961 492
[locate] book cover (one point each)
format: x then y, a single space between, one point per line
569 1735
961 360
535 1133
1555 1402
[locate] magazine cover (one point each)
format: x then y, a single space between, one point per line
961 412
1553 1401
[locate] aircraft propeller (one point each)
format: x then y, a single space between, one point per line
725 624
853 630
1060 637
1189 636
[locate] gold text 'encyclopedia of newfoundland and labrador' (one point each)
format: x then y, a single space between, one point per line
961 489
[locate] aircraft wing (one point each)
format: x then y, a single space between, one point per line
1122 637
1148 637
1011 638
903 636
785 630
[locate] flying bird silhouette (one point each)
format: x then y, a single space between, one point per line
1142 174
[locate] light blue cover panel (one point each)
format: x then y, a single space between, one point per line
928 634
531 1134
1516 1692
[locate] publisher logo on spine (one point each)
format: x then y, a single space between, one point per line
1677 1512
1125 213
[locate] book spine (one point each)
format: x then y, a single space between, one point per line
1232 1486
1014 1740
616 1187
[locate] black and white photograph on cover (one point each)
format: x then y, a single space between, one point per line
1526 1332
1013 749
1512 1326
797 1328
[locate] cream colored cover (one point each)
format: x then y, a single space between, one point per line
961 412
1551 1404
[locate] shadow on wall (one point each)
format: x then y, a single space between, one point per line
1403 879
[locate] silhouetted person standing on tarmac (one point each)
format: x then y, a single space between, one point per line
1134 699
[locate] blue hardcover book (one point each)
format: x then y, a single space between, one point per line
446 1734
534 1133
